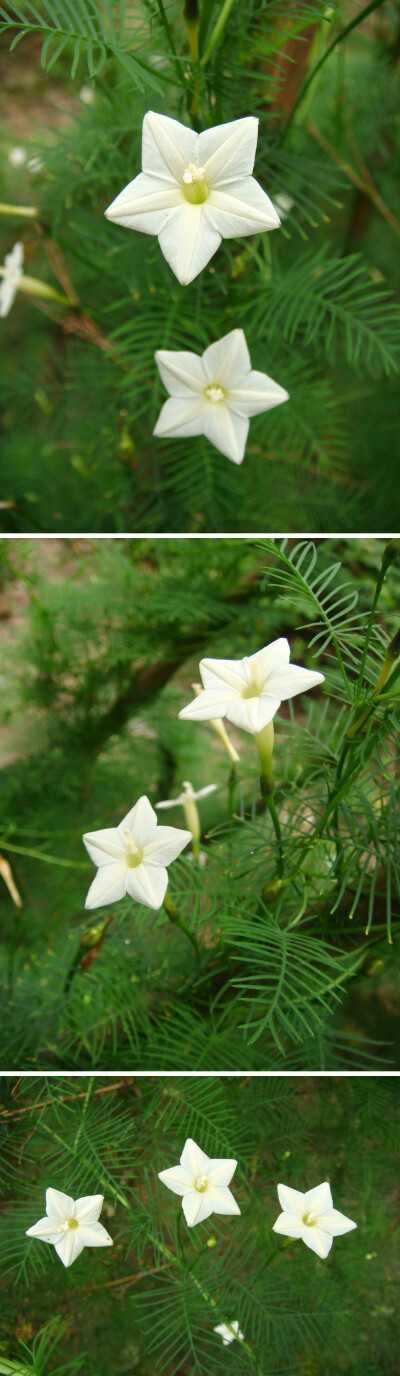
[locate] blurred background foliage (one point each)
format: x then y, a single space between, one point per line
131 1308
101 643
318 299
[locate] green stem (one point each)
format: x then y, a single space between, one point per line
217 31
359 18
271 804
29 212
174 916
86 1104
368 632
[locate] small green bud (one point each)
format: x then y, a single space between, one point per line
390 554
211 1242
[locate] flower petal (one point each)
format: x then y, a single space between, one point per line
319 1199
167 146
227 360
335 1223
255 394
179 417
226 430
169 843
196 1207
209 706
147 884
188 240
47 1229
252 714
181 372
292 680
228 150
94 1235
144 203
193 1159
59 1205
220 1172
288 1225
109 885
223 1201
177 1179
141 822
104 845
273 656
215 672
88 1208
243 208
318 1240
69 1246
8 292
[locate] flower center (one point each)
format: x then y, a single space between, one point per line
70 1224
201 1184
310 1220
254 687
134 854
195 187
214 392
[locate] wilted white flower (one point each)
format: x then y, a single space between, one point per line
249 691
17 157
229 1332
87 94
12 276
203 1183
71 1224
194 190
215 394
132 858
283 204
188 799
312 1217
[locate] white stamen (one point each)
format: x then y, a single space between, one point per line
193 174
201 1183
214 393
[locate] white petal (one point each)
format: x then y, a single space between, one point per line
8 292
223 1201
288 1225
103 845
189 240
147 884
144 204
179 417
319 1199
276 655
229 671
169 843
47 1229
177 1179
196 1207
193 1159
292 681
109 885
209 706
255 394
227 360
94 1235
318 1240
228 150
243 208
291 1201
13 261
226 430
88 1208
335 1223
252 714
167 146
59 1205
69 1246
220 1172
182 373
141 822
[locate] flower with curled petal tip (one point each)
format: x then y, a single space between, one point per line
203 1183
312 1217
11 275
71 1224
194 190
132 858
229 1332
249 691
215 394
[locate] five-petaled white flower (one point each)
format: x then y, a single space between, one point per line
194 190
71 1224
249 691
12 276
215 394
203 1184
312 1217
229 1332
132 858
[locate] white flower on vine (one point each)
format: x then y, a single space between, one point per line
11 277
132 858
203 1183
194 190
249 691
229 1332
71 1224
312 1217
215 394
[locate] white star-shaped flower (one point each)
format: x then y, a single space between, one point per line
312 1217
229 1332
215 394
71 1224
12 276
132 858
194 190
203 1183
188 795
249 691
